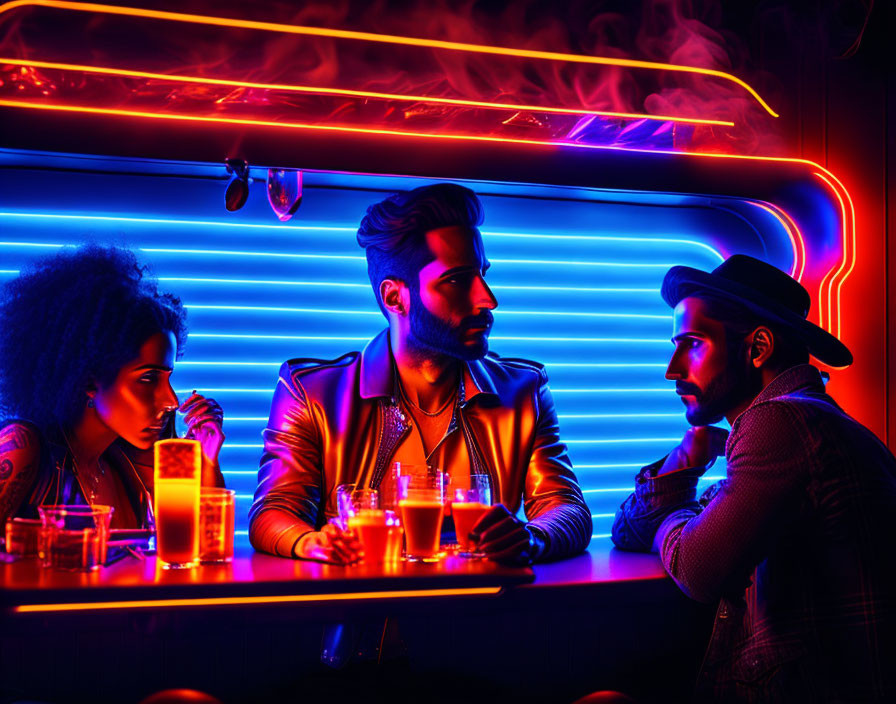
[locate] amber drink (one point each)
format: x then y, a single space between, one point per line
373 533
468 506
421 502
216 524
176 502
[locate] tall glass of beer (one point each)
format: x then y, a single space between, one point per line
421 501
468 506
178 471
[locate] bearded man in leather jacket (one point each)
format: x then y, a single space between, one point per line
424 391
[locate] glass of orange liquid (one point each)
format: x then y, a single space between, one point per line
421 503
216 524
368 521
178 470
468 506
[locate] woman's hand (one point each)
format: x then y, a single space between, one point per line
204 419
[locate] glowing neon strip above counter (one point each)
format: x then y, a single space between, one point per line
97 8
128 73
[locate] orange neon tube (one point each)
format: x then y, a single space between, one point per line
257 600
848 222
849 246
381 38
127 73
796 238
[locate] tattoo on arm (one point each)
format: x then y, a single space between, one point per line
14 437
18 467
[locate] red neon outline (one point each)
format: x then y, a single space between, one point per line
129 73
381 38
796 238
849 238
576 145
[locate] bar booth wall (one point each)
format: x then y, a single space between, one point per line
576 273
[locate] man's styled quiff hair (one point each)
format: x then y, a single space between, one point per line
393 231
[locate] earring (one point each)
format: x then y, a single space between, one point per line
91 403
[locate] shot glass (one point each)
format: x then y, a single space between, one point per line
23 536
178 467
421 502
216 523
468 506
74 537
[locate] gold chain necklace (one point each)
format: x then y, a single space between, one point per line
428 414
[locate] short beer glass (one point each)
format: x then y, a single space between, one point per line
467 507
421 502
178 471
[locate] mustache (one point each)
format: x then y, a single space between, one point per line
483 320
685 388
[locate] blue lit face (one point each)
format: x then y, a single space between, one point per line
705 370
452 314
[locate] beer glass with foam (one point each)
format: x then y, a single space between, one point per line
421 502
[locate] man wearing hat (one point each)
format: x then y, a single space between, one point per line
796 544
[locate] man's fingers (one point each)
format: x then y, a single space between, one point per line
494 515
497 541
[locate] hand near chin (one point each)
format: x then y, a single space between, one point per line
329 544
204 419
503 537
699 447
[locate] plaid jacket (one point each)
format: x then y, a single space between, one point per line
796 544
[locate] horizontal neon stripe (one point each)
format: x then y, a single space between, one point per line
609 466
249 253
570 416
270 390
376 313
234 601
329 228
603 515
266 282
365 338
359 259
550 365
286 229
601 536
623 490
616 441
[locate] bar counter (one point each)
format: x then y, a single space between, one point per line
251 630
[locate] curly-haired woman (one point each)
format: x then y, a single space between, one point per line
87 350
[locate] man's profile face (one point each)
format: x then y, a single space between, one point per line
710 377
452 313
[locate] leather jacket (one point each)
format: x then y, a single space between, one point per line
339 421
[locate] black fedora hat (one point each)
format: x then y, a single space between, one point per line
765 290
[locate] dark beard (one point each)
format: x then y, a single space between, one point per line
431 334
740 380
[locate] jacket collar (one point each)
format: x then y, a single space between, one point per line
378 378
802 376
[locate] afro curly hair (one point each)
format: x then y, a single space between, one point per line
72 319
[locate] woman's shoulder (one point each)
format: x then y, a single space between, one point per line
19 464
19 436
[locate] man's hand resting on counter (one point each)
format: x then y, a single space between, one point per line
700 445
329 544
504 538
